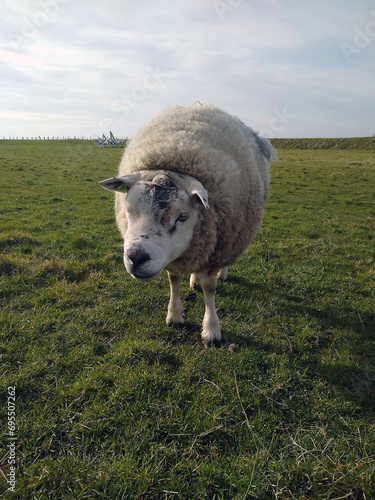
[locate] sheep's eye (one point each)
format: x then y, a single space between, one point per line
182 217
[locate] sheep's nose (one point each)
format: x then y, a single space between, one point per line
138 257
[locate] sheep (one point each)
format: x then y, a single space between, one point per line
190 196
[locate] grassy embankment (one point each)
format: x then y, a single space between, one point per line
110 403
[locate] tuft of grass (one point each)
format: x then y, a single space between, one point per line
110 403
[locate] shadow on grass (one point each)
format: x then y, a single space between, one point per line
153 357
226 288
360 322
188 334
352 376
310 351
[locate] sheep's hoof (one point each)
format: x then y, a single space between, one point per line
211 343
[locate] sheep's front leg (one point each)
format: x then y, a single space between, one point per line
174 316
211 335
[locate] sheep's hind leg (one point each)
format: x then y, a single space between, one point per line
195 281
211 334
174 316
222 275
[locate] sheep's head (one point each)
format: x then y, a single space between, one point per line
161 210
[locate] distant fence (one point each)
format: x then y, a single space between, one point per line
41 138
110 141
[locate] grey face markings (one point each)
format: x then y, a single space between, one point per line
160 200
161 197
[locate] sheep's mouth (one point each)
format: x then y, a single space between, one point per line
146 277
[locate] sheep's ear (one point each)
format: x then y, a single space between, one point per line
197 191
121 184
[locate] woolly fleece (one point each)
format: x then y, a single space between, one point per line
227 157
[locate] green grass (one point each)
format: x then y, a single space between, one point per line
343 143
113 404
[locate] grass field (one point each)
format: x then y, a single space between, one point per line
112 404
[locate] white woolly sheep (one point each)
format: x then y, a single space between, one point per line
190 196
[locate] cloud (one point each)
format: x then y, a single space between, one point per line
87 68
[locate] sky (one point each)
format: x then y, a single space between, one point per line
287 68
